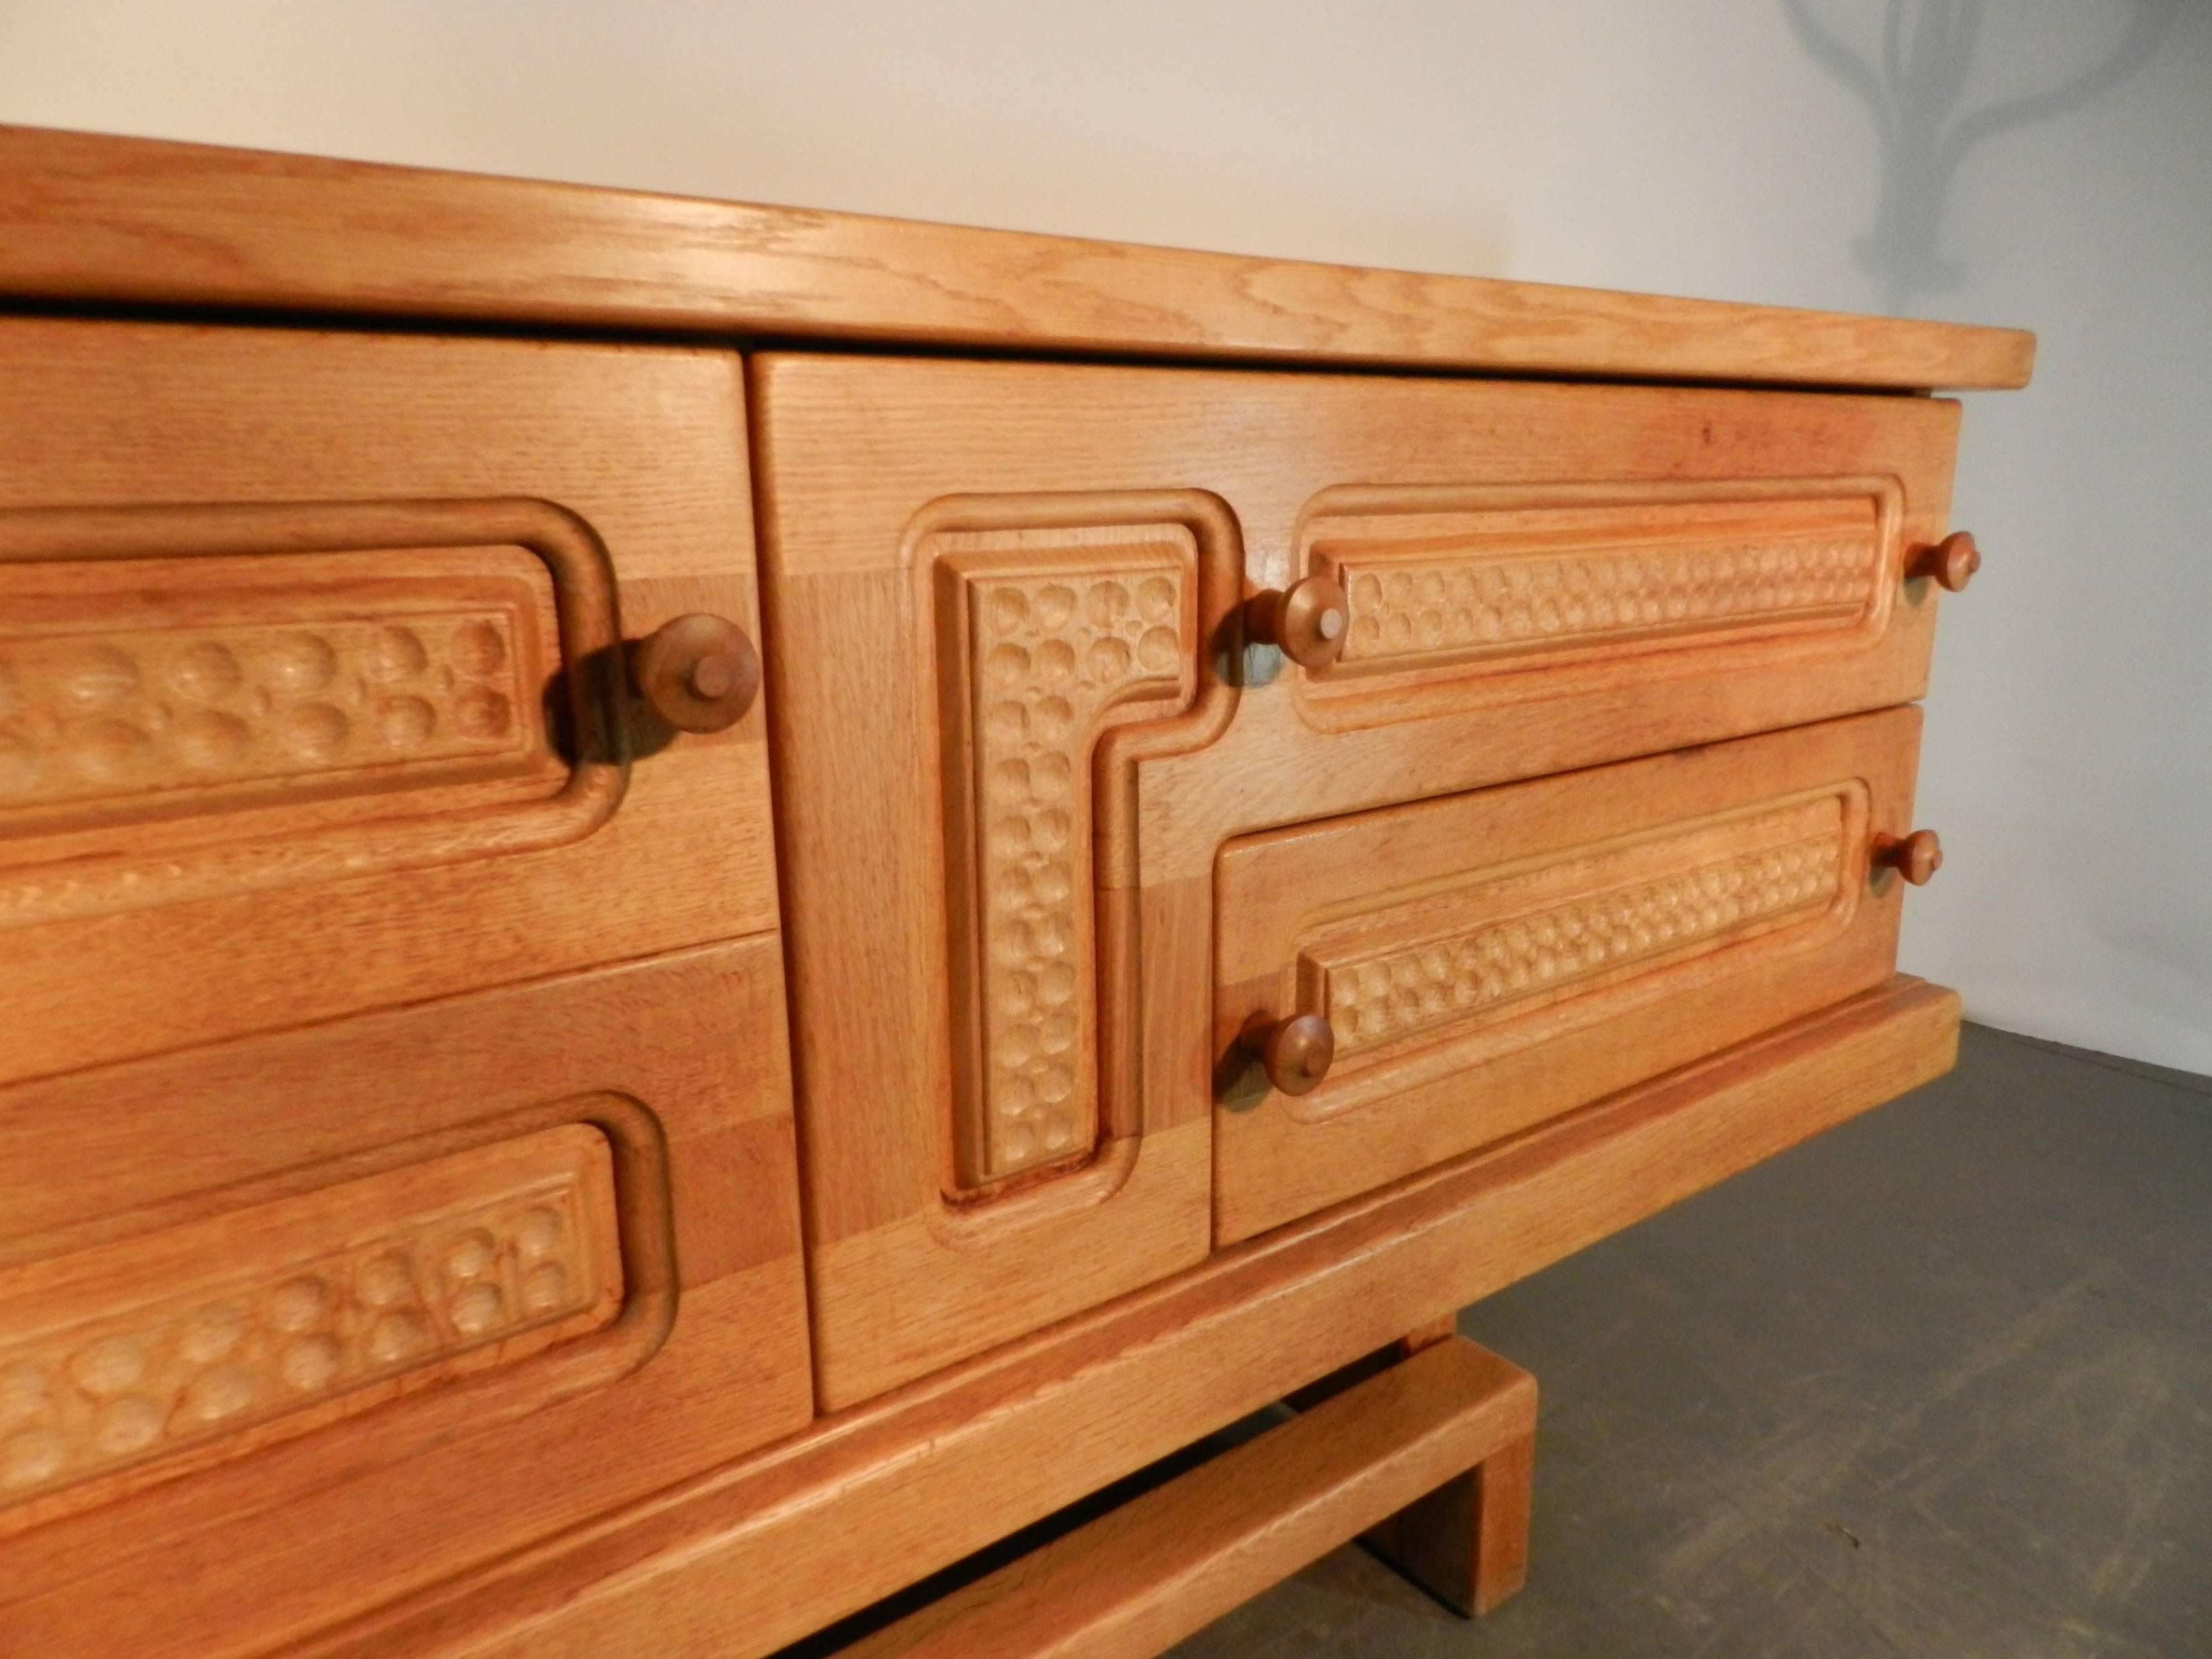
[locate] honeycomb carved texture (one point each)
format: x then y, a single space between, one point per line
1397 993
1502 604
134 1385
87 718
1050 654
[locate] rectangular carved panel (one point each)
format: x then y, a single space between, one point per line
196 701
1038 651
1590 918
1524 581
141 1357
381 686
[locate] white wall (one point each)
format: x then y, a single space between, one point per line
1689 146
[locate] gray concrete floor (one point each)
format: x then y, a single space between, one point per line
1936 1383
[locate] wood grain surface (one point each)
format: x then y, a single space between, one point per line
738 1563
873 471
249 735
1139 1578
1489 958
88 218
357 1134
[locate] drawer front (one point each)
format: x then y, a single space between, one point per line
468 1274
1460 597
312 681
1019 710
1488 960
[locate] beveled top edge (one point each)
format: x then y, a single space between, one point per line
87 218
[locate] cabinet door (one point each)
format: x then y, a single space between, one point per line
1020 708
312 684
294 1325
1488 960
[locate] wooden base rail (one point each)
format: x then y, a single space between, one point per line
753 1556
1141 1578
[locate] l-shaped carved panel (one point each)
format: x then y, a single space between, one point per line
993 1144
135 1359
1041 645
197 700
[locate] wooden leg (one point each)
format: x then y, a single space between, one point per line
1440 1328
1424 1336
1140 1577
1504 1486
1467 1543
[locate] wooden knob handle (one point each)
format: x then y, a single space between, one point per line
1294 1053
1915 857
1308 620
1952 561
700 673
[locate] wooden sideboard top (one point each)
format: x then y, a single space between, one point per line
110 221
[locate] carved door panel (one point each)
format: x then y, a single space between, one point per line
970 700
1020 711
312 674
1484 961
297 1324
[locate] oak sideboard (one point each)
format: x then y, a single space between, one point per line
702 906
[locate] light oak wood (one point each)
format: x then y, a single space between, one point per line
294 693
1039 650
117 219
391 895
903 824
1140 1578
1467 1543
854 449
277 613
400 1161
1487 960
1508 591
142 1358
285 656
742 1561
1058 642
1428 1333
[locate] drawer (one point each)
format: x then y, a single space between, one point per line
312 674
464 1275
1020 706
1487 960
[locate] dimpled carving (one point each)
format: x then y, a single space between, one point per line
93 719
1048 654
115 1376
1395 993
1503 604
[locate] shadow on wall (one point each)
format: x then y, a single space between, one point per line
1912 84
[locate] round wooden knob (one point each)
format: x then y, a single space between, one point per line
1952 561
1915 857
700 673
1308 620
1294 1053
